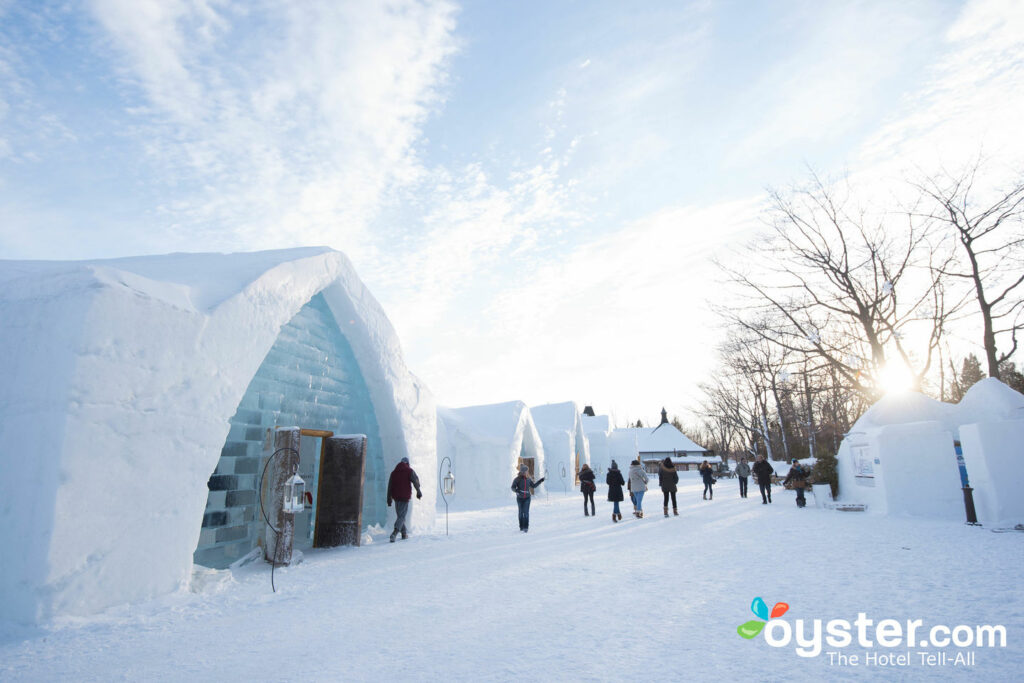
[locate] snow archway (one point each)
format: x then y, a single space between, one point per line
133 368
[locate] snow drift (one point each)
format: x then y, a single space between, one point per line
120 377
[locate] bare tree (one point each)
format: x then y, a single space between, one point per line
843 288
990 241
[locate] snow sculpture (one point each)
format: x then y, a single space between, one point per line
900 457
565 445
124 373
486 445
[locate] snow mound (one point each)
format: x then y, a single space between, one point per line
990 400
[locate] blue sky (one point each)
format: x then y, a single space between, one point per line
532 189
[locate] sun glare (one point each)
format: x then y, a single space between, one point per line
896 378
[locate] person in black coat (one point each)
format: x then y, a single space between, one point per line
667 480
523 485
708 475
615 483
763 472
588 487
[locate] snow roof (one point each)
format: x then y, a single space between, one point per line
563 417
664 438
988 400
495 421
596 423
121 375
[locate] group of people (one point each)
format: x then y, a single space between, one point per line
403 479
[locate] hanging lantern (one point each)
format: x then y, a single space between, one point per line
449 484
294 494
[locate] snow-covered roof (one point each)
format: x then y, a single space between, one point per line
495 421
120 377
664 438
987 400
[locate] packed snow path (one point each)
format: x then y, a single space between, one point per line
575 598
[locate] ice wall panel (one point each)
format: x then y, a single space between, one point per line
309 378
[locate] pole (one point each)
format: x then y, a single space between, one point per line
443 497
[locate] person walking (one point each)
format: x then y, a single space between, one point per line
742 472
400 484
638 486
708 475
523 485
797 476
763 472
667 480
587 486
615 483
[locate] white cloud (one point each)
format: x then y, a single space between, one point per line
277 125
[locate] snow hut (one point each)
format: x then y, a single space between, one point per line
597 429
901 455
486 445
135 403
565 444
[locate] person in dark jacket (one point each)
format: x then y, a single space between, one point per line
667 480
615 483
742 472
400 484
763 472
587 486
708 475
523 485
798 475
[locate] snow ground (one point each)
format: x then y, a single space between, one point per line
577 598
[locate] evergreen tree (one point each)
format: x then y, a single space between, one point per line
1010 376
639 424
969 375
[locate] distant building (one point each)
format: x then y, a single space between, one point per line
652 445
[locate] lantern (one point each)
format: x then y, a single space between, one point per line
294 494
449 484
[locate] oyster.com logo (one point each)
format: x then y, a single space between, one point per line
753 627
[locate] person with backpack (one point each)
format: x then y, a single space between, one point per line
742 472
523 486
587 486
400 484
638 486
763 472
708 475
615 483
667 480
797 476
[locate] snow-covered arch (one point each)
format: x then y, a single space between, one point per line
565 445
120 377
485 444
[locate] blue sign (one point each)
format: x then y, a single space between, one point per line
960 463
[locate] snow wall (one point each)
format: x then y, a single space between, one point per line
120 377
597 429
900 457
565 446
485 444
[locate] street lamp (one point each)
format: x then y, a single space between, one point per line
447 488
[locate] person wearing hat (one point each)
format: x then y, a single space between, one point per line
763 472
403 479
708 475
615 483
523 485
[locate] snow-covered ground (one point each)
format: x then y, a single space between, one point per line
576 598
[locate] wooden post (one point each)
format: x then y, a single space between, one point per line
278 545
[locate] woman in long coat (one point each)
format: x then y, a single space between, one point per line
615 483
667 479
